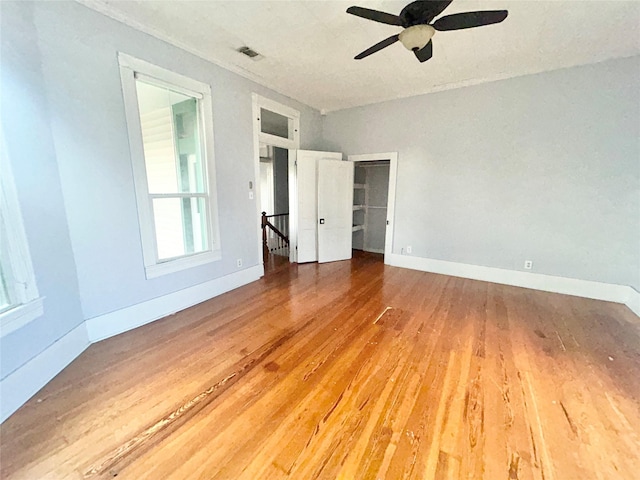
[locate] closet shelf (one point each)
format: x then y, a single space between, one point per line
364 207
355 228
359 186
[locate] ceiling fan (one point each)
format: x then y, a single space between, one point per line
415 18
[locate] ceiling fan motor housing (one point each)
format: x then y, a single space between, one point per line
416 37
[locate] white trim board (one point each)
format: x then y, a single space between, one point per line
20 385
633 301
120 321
19 316
536 281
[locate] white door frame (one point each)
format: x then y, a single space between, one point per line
291 144
391 198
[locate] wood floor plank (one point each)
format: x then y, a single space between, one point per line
349 370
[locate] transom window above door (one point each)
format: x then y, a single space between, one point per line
273 123
277 124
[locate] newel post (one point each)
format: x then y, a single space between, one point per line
265 248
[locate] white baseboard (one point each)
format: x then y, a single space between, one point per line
633 300
19 386
548 283
114 323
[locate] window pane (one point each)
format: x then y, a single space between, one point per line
181 226
171 140
274 124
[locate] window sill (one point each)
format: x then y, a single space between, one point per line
18 317
172 266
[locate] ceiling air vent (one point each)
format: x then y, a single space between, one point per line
252 54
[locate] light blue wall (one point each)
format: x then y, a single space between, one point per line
29 143
79 57
544 167
64 121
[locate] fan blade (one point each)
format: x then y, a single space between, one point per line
422 12
378 46
458 21
425 53
436 8
375 15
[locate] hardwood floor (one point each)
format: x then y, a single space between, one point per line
350 370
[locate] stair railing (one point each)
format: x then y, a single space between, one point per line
275 238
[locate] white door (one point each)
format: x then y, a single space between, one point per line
303 199
335 210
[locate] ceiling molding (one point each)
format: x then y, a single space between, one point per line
308 45
114 14
474 81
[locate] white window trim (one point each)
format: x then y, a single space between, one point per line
129 66
30 304
21 315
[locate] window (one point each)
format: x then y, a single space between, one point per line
19 301
277 124
170 124
273 123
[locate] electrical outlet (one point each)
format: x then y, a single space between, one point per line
239 263
408 248
528 264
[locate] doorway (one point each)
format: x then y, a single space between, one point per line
374 195
370 195
274 198
276 137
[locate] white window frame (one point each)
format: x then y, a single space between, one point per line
26 305
129 67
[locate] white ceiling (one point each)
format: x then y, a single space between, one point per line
309 45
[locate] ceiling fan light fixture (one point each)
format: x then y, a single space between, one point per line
416 37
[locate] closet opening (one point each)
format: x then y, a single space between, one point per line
370 205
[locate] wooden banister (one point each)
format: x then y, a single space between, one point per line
265 223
